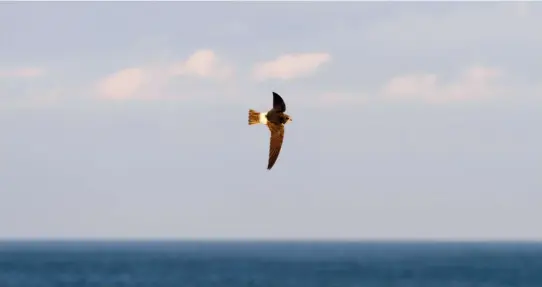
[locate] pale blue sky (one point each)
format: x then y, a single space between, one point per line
411 120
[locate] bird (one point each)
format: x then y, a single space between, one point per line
275 119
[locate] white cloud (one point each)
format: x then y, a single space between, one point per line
290 66
474 83
205 64
25 72
149 81
123 84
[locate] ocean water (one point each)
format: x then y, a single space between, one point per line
239 264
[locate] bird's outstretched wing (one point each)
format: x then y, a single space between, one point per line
275 144
278 103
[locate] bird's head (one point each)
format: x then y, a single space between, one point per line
287 118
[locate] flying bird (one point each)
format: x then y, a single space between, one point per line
275 119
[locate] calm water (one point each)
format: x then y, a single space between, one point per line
160 264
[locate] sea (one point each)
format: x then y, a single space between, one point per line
277 264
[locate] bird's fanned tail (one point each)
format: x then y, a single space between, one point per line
253 117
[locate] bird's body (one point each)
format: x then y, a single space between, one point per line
271 116
274 119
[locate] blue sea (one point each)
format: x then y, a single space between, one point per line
280 264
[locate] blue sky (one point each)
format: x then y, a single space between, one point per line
411 120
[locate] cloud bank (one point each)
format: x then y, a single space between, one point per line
204 64
123 84
474 83
290 66
150 80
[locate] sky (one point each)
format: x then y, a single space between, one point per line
410 120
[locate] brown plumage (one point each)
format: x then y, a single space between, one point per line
275 119
275 142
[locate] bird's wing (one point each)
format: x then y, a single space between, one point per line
278 103
275 144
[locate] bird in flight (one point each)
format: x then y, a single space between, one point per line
275 119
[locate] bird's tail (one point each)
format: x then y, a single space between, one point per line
253 117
